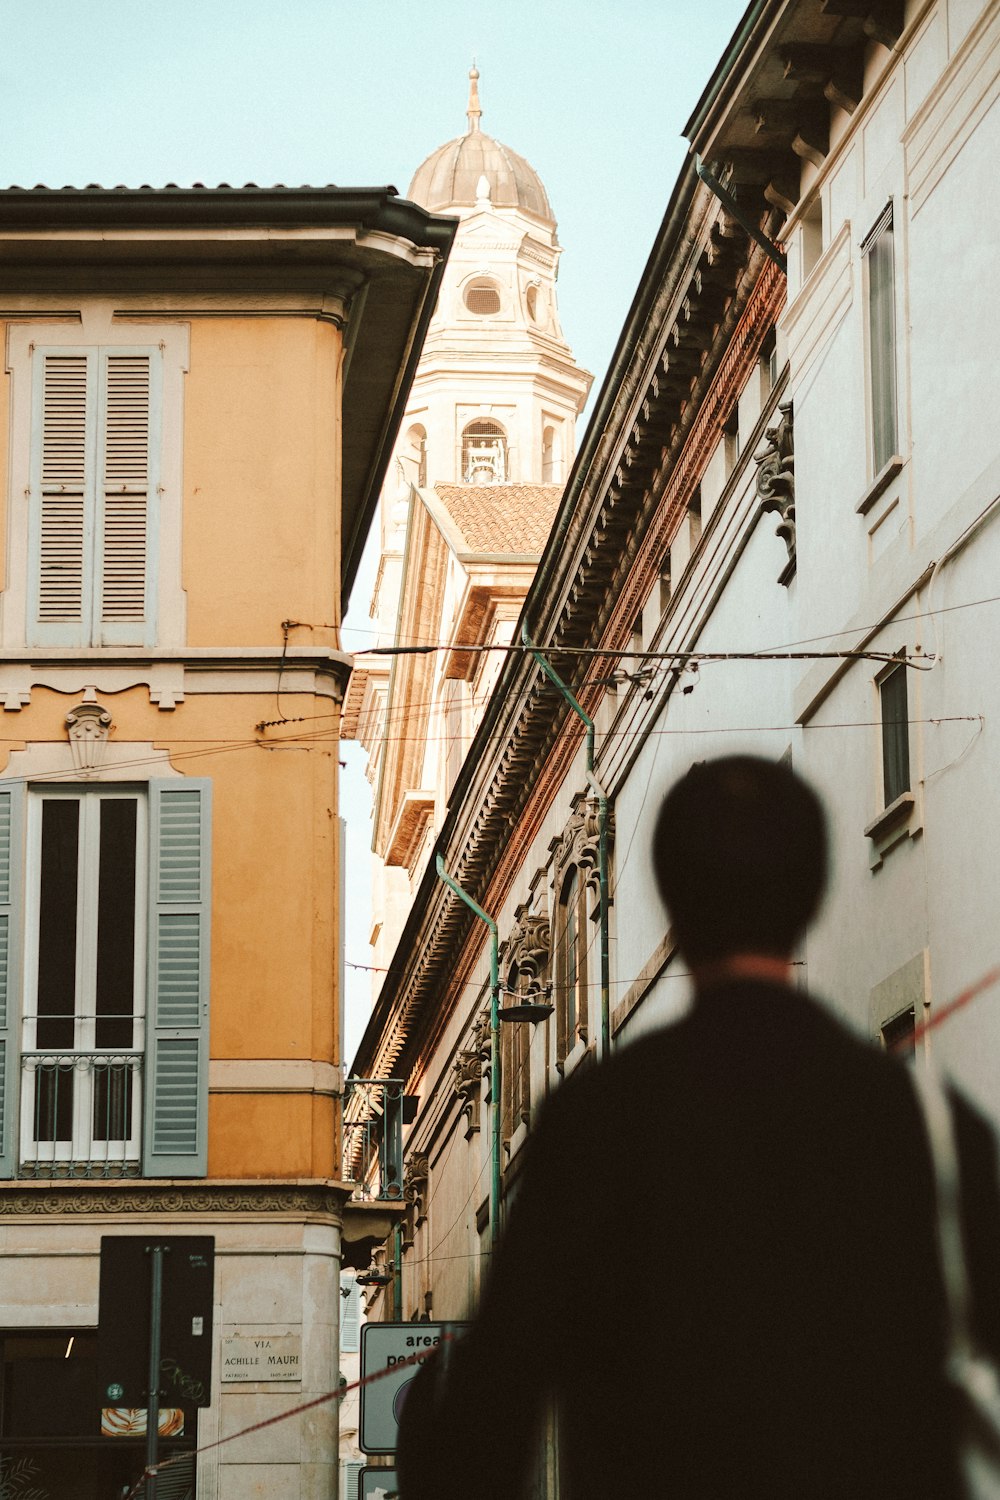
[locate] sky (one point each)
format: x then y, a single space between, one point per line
357 92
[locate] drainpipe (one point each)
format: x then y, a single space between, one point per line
602 834
495 1121
397 1276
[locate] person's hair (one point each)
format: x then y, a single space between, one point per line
740 854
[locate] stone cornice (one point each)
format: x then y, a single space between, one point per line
138 1198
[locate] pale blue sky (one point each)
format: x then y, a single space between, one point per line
358 92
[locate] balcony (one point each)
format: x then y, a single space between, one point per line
81 1114
372 1163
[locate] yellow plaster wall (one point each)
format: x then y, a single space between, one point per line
275 873
261 478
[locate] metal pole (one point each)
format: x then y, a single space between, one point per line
495 1079
156 1254
602 835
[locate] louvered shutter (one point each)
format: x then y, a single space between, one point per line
176 1076
350 1480
125 498
11 885
61 486
350 1314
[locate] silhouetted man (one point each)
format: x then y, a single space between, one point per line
722 1261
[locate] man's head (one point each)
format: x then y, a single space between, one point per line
740 857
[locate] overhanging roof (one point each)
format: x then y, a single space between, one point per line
380 254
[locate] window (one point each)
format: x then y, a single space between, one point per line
665 582
482 298
898 1035
895 734
535 303
50 1421
484 453
571 962
104 940
694 518
415 453
515 1070
731 438
878 253
92 495
551 464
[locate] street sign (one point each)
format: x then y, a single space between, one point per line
376 1484
186 1320
393 1352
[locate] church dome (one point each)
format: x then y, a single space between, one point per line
451 176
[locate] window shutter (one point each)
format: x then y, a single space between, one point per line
125 497
11 867
175 1136
350 1474
350 1314
61 482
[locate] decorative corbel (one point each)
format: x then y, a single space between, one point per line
776 482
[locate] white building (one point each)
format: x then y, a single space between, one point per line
485 447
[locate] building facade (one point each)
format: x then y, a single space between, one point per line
777 538
199 405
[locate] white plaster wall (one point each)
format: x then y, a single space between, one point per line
270 1275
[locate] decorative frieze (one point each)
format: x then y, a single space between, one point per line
147 1199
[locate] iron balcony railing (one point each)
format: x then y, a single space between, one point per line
81 1114
373 1137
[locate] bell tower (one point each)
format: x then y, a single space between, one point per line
497 392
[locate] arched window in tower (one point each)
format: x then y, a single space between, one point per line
484 453
551 457
416 453
482 297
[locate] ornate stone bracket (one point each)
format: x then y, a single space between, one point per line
579 843
527 949
468 1069
416 1173
776 482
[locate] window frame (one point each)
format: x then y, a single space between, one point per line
97 328
571 996
174 1140
881 341
84 1045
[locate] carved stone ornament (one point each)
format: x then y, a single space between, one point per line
88 726
776 481
580 841
528 948
468 1069
416 1172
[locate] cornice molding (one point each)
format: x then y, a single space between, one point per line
140 1199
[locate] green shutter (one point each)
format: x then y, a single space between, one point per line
11 868
175 1134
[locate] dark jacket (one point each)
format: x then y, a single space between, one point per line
722 1263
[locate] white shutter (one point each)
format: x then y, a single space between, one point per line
63 480
350 1480
350 1313
124 542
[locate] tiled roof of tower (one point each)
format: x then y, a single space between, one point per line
502 518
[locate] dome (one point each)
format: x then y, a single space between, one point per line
449 178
